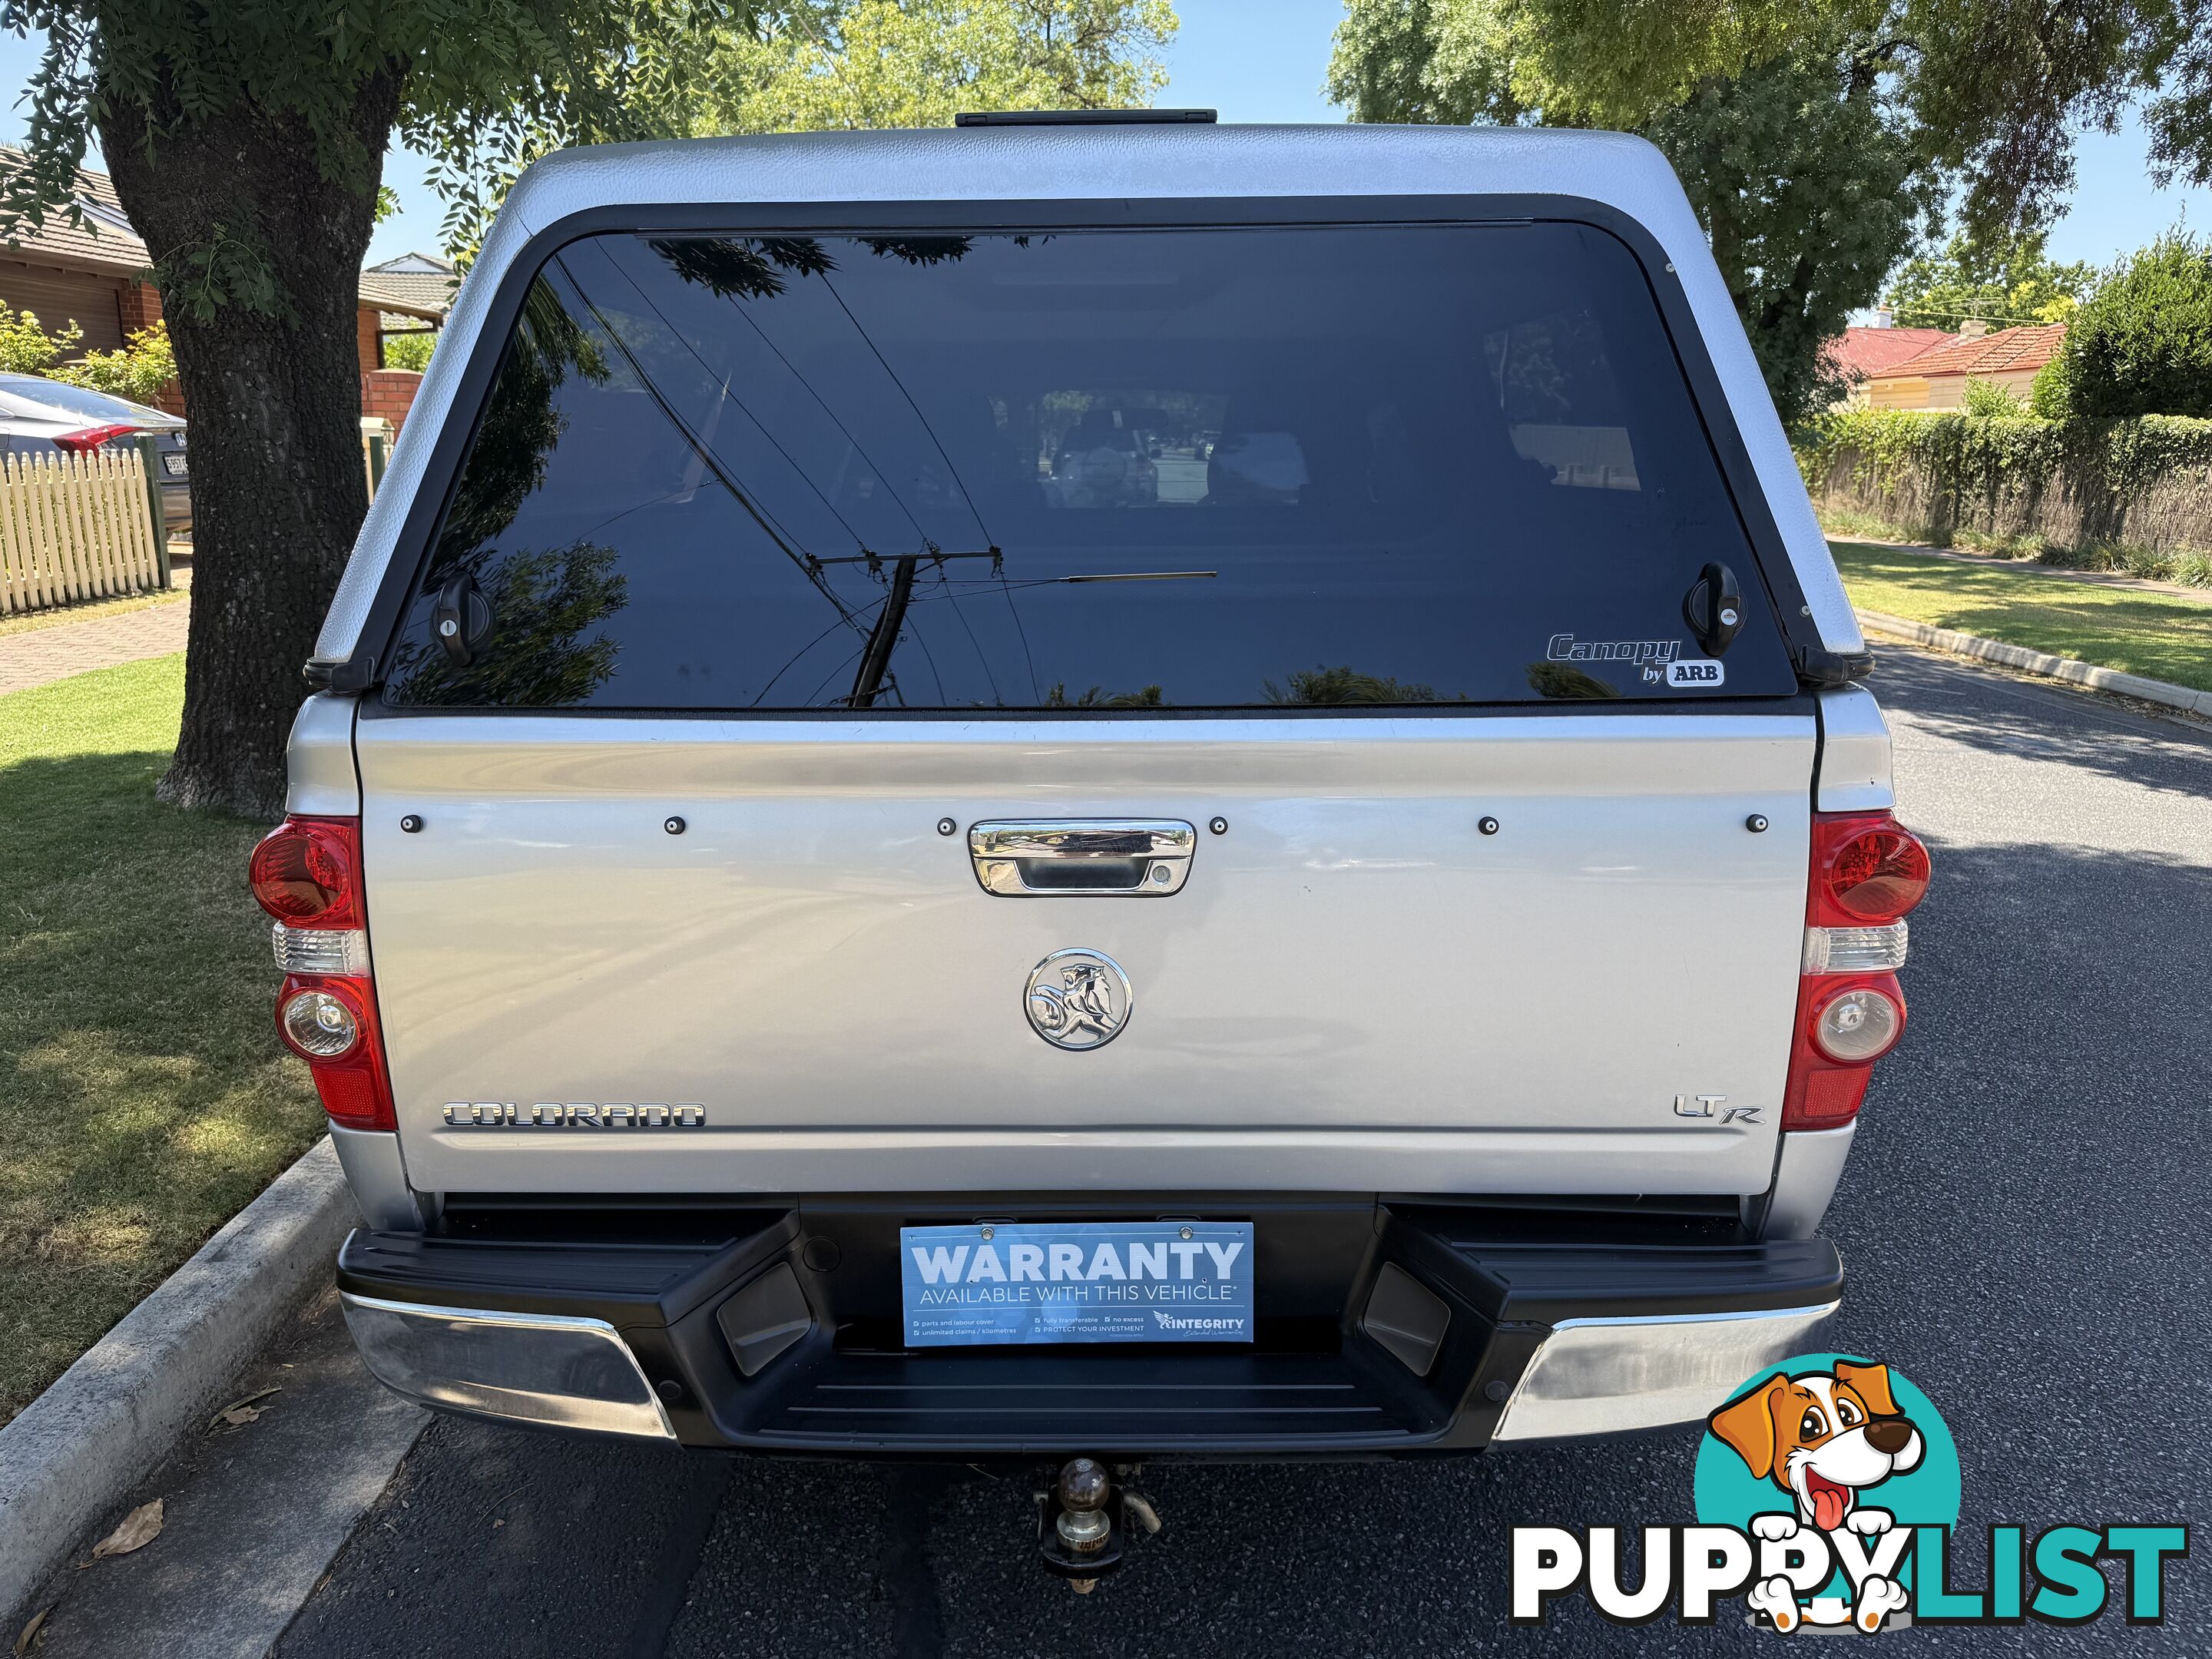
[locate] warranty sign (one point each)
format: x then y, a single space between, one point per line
1091 1281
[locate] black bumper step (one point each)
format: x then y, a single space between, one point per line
1035 1404
1313 1382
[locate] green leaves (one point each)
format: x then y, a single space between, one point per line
1572 63
2002 279
1995 89
1810 184
487 86
868 63
26 347
1967 452
506 81
1807 173
222 268
145 365
2142 344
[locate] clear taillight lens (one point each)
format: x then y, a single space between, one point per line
318 1025
1854 949
320 949
1858 1027
330 1021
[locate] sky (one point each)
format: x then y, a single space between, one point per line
1264 61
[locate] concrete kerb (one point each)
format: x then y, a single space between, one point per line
78 1449
2162 692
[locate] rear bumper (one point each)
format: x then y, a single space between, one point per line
176 505
1382 1327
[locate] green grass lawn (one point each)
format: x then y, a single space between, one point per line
144 1099
2164 637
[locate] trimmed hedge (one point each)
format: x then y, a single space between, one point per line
2143 341
2070 485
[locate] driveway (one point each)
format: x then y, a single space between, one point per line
43 655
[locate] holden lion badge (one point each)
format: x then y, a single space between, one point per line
1078 1000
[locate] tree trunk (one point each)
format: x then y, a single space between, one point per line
274 394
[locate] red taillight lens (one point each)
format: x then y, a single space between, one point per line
1866 867
1868 870
1845 1022
330 1021
306 872
90 438
1824 1096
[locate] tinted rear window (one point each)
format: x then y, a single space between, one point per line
1202 468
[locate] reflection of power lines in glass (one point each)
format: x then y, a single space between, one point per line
1273 469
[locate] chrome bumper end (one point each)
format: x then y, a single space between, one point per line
1614 1376
549 1369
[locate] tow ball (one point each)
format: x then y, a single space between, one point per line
1084 1522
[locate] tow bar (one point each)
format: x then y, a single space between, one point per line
1083 1521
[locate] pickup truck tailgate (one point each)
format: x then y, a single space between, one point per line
1356 987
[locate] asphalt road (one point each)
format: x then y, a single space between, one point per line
2024 1219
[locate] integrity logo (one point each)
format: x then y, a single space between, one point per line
1183 1322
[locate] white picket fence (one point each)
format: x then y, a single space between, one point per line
75 527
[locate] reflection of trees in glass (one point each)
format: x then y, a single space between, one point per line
757 267
1346 685
1095 697
744 267
1551 370
1557 679
542 602
535 656
920 250
520 426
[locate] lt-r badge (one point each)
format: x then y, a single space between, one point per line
1706 1105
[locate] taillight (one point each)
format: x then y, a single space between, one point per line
88 439
330 1021
306 873
1868 870
1867 867
1857 1025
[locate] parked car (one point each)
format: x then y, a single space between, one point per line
1418 999
38 414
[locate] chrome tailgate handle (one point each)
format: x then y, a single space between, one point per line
1129 858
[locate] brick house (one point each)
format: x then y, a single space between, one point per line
1859 354
1936 378
95 275
413 293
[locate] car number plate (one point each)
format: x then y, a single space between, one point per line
1087 1281
173 463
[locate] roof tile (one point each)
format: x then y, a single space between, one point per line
103 246
2007 350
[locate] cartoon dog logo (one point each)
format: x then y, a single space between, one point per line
1824 1437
